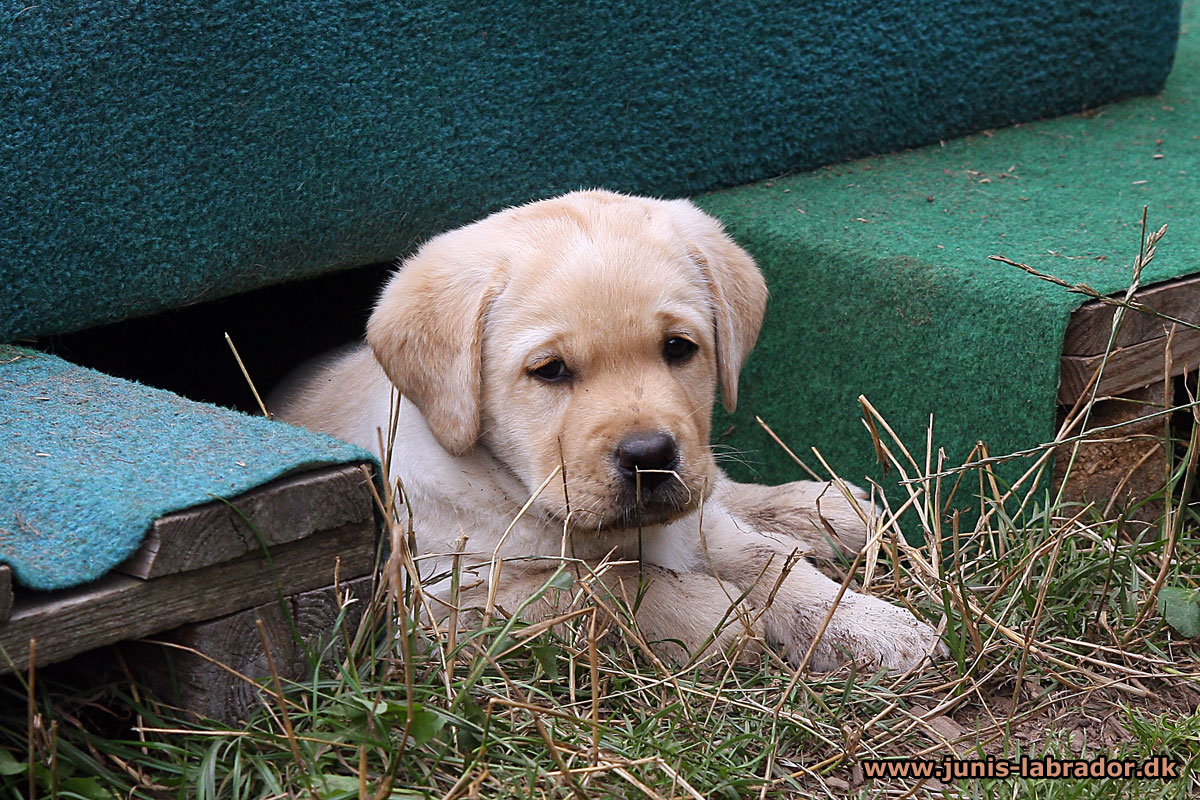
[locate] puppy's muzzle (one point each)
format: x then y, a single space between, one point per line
646 457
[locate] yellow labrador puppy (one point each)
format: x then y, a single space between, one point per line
584 338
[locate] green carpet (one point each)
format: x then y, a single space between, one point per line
88 462
158 154
881 284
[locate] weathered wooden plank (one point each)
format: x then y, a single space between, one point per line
284 510
6 592
203 686
1091 324
1122 466
119 607
1129 367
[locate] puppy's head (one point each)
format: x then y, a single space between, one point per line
587 331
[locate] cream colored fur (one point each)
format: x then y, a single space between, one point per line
598 281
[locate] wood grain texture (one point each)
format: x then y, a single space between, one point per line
119 607
6 592
1120 467
1130 367
284 510
301 632
1091 324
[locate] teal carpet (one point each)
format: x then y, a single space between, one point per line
156 155
88 462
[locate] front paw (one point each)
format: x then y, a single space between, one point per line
871 632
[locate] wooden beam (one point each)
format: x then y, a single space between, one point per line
118 607
1129 367
302 628
284 510
6 592
1122 466
1091 324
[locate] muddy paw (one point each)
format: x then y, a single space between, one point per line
874 634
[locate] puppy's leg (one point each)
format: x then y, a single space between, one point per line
799 599
815 516
679 615
683 615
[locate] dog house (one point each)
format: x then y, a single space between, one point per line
172 163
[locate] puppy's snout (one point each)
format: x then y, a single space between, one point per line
647 450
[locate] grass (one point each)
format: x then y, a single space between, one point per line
1068 624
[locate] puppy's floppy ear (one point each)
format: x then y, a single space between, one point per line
427 332
737 288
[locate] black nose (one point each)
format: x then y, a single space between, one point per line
647 450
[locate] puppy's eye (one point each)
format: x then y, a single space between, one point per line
552 371
677 349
